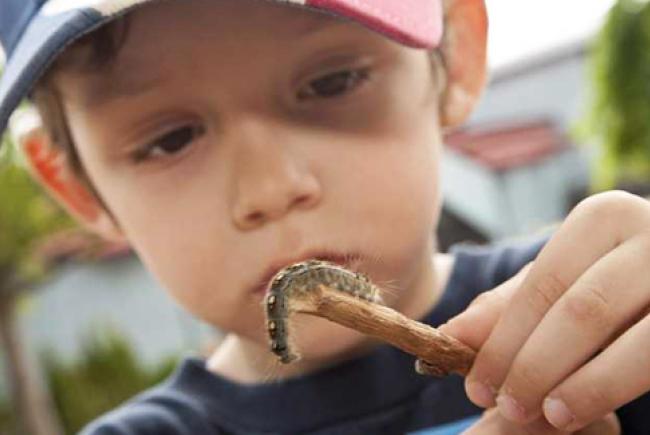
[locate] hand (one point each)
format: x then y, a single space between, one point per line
492 423
568 336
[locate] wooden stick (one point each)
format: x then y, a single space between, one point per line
438 354
333 292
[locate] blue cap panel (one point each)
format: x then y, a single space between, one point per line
40 44
14 17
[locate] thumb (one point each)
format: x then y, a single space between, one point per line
474 325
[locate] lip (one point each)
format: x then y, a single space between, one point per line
262 284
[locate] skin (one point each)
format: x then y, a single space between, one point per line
274 170
555 337
264 167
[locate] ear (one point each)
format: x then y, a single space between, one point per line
49 166
464 51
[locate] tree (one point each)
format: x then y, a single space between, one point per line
620 106
26 217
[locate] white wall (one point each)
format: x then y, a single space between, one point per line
526 198
557 92
118 294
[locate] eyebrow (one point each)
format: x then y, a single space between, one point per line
116 86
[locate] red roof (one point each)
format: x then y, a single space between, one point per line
506 146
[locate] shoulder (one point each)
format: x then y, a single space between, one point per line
484 267
478 268
162 410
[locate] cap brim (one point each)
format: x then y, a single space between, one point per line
415 23
43 40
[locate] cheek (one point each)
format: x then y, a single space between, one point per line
411 140
405 177
194 257
392 194
200 265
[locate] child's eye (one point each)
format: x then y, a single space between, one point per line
170 143
334 84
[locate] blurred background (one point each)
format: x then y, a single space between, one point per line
83 326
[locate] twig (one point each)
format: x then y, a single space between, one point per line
350 299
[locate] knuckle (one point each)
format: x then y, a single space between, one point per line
598 395
610 205
595 396
528 377
490 366
487 297
524 270
589 306
611 424
545 292
607 425
643 239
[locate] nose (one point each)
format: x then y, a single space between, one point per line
272 177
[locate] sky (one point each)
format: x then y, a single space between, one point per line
521 28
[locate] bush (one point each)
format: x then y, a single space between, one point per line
106 375
7 422
620 107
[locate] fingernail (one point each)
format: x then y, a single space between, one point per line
510 409
557 413
480 393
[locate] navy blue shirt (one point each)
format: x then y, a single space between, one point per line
379 393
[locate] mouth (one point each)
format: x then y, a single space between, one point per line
344 260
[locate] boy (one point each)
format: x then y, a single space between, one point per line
226 139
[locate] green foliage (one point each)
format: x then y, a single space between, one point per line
26 216
620 110
7 419
107 374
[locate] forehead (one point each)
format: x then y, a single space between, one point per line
234 12
161 34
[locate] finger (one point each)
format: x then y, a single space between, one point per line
473 325
614 290
615 377
605 426
589 232
489 423
493 423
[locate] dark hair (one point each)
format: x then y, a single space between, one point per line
90 54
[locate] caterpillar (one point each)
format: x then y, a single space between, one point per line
350 299
298 280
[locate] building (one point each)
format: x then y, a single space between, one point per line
514 167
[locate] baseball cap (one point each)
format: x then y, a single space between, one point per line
34 32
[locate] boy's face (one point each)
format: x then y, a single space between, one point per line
228 136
